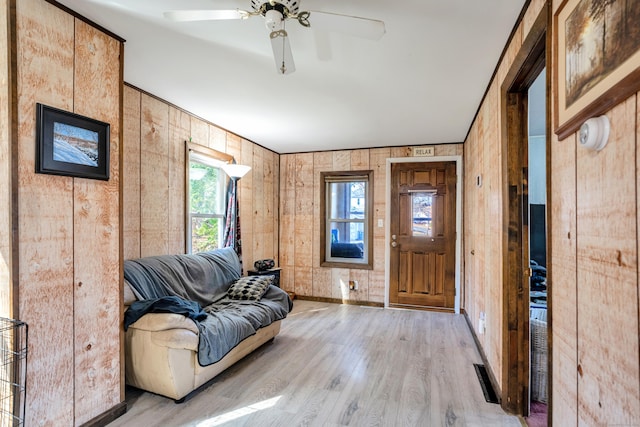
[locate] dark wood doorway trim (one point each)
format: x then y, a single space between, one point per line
529 62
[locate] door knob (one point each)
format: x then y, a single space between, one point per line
393 237
394 244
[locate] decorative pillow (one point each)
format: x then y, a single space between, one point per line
249 287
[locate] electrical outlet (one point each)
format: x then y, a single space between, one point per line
353 285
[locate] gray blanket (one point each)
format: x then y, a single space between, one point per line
205 278
202 277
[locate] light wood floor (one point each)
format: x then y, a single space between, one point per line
341 365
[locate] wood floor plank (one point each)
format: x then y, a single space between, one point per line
341 365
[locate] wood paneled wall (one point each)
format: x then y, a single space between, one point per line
5 169
594 275
484 208
69 284
593 269
301 219
154 180
483 217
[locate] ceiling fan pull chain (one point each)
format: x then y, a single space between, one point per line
283 67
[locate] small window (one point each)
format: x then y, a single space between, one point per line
206 195
422 206
347 229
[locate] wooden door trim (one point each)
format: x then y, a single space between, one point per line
527 65
458 243
12 138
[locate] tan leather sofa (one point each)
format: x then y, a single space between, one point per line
161 354
161 349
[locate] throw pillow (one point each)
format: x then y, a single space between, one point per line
249 287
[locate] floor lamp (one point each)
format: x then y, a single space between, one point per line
235 172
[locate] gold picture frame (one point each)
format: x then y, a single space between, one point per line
597 59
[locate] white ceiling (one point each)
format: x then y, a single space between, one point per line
421 83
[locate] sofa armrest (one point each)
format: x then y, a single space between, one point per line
154 322
165 330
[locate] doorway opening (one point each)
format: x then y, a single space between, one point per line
537 226
525 93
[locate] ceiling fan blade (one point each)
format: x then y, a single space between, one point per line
282 52
205 15
372 29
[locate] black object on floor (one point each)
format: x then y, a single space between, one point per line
489 393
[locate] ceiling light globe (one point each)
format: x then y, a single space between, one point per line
273 20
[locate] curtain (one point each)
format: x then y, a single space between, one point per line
232 227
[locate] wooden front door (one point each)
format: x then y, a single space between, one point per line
423 235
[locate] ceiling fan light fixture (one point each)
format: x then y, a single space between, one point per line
273 20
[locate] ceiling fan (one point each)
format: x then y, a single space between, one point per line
276 13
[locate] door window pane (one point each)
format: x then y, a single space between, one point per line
421 207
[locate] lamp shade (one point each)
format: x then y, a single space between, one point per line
235 171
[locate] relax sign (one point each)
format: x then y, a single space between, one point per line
423 151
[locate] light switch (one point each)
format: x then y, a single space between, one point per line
381 223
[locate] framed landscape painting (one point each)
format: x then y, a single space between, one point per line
71 144
597 61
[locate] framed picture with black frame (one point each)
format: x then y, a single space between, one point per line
70 144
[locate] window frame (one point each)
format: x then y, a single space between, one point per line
217 160
336 176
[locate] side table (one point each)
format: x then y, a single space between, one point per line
270 272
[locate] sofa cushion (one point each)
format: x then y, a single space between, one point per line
203 277
250 287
